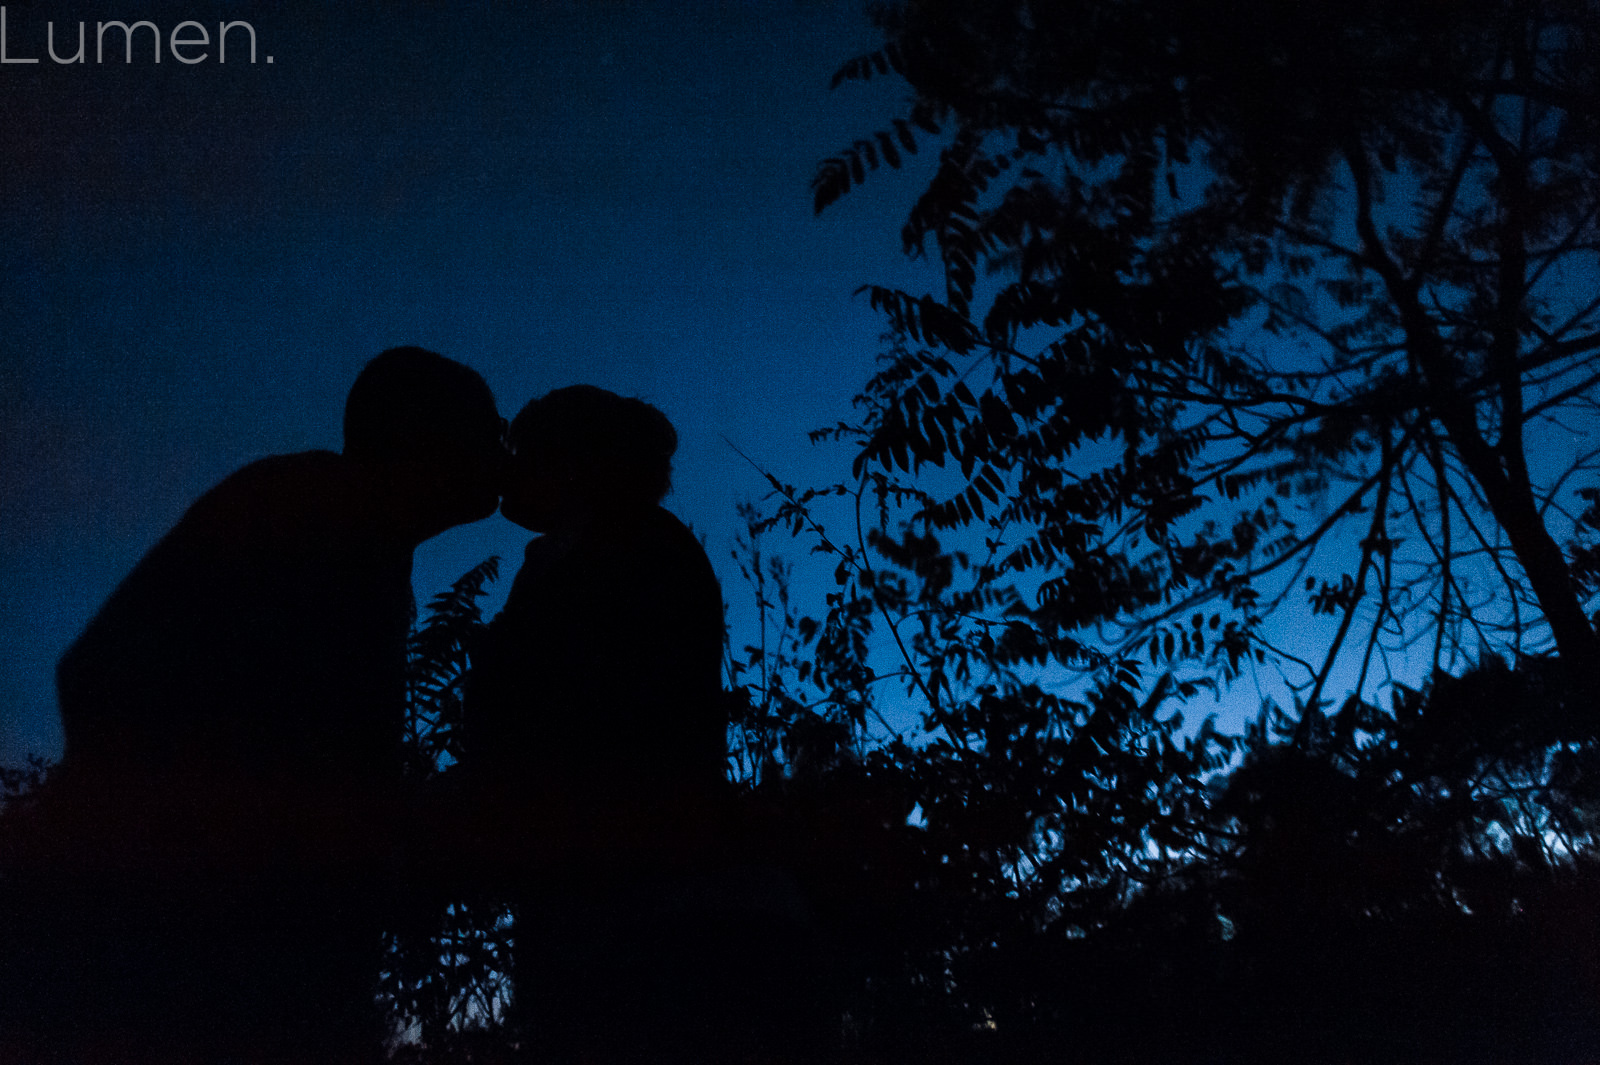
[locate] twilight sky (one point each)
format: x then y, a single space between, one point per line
199 258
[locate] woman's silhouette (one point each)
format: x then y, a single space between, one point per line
600 685
596 733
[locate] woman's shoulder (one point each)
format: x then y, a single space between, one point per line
663 537
662 522
644 531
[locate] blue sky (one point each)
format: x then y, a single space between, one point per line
200 258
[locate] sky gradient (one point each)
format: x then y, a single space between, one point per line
199 258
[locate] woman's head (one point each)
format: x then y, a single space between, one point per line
584 450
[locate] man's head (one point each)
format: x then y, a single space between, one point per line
430 425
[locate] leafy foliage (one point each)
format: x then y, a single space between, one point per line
1310 266
1402 860
439 658
1010 809
448 964
1246 310
19 785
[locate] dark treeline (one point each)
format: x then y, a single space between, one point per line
1256 318
1413 881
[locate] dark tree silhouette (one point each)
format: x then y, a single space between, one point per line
1288 309
1273 254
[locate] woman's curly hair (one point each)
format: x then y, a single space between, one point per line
620 447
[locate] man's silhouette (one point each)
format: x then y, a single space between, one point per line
233 718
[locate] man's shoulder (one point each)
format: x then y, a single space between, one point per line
282 500
266 479
182 588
